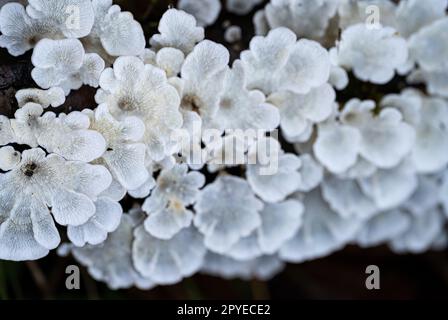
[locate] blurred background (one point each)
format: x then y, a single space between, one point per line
339 276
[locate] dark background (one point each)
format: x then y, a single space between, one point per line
339 276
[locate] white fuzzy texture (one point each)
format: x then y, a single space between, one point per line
105 220
430 152
64 13
64 63
353 12
125 153
9 158
429 117
308 19
276 187
347 198
167 127
131 88
112 261
170 60
412 15
279 223
35 185
390 188
242 109
66 135
168 261
54 97
430 57
205 11
300 111
166 207
279 62
382 228
436 81
204 73
114 33
55 60
420 235
178 30
20 32
384 139
226 211
373 54
6 133
323 231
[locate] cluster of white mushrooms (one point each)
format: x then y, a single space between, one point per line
363 172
